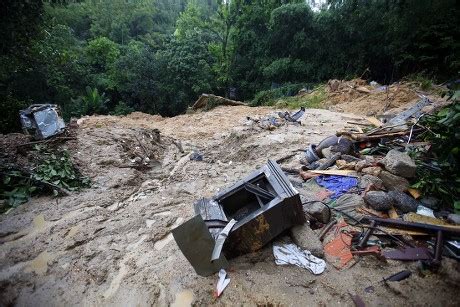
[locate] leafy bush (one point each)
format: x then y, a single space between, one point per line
89 104
9 121
59 170
122 109
438 170
18 185
309 101
268 97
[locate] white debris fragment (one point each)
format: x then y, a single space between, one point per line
291 254
222 283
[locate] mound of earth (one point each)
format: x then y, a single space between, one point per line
111 244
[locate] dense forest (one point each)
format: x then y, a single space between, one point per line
158 56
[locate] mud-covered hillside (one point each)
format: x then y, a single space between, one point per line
112 243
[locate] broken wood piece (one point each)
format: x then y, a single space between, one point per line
337 172
414 192
203 100
360 137
423 219
374 121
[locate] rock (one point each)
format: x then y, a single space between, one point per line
393 182
399 163
327 152
342 164
368 180
378 200
306 238
430 202
350 158
362 89
403 202
349 201
371 170
454 218
370 159
318 211
362 164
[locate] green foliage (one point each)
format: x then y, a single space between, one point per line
122 109
439 169
9 121
17 186
91 103
157 56
423 82
15 189
269 97
309 101
57 168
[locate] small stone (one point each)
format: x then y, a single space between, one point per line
318 211
399 163
393 182
306 238
378 200
327 152
454 218
362 164
368 180
342 164
403 202
372 170
370 159
349 201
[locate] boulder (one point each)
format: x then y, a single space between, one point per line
430 202
403 202
454 218
306 238
399 163
362 164
368 180
378 200
393 182
318 211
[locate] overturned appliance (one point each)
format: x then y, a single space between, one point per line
42 120
240 219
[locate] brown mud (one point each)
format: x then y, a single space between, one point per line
111 244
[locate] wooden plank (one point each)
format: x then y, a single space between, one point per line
374 121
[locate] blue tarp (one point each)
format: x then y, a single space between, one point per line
337 184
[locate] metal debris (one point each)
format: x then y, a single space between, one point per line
42 120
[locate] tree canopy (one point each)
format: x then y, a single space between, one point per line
158 56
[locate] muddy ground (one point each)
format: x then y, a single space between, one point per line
111 244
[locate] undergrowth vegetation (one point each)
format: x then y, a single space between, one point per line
53 173
438 170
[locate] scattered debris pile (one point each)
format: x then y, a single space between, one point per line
358 97
272 122
357 190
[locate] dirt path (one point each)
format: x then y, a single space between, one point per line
111 244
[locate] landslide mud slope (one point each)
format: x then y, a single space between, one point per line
112 244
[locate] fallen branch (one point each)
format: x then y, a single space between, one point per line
48 140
